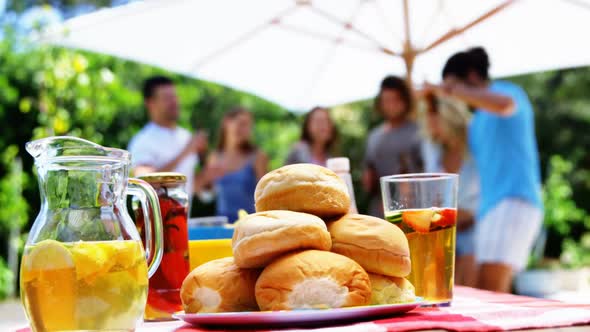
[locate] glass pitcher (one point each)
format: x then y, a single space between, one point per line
84 266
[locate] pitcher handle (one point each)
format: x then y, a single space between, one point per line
154 238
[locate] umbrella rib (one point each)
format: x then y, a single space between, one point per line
326 37
241 39
455 32
354 29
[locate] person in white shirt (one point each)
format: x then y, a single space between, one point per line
163 146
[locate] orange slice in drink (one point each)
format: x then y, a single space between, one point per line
419 220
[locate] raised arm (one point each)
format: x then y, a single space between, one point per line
145 159
483 99
261 164
478 97
211 171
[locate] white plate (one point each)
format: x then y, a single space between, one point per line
297 317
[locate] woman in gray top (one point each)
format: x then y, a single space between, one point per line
318 136
394 147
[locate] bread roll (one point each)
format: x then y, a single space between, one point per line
261 237
377 245
390 290
312 279
303 188
219 286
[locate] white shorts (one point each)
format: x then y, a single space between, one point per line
507 233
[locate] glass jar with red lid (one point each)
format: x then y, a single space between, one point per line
164 287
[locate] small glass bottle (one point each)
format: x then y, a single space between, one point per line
164 287
341 166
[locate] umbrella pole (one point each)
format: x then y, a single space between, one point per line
409 53
409 57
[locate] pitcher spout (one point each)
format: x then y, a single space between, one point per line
61 146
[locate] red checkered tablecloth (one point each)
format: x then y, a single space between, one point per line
472 310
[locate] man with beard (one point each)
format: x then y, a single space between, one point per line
161 145
394 147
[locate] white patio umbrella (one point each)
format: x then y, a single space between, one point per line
300 53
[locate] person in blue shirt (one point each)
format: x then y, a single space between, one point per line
235 166
502 139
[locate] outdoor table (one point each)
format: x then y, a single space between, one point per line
471 310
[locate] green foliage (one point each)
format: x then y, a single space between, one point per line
6 280
561 211
14 211
576 254
563 216
354 121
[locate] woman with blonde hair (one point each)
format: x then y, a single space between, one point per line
445 149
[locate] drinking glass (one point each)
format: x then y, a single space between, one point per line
424 206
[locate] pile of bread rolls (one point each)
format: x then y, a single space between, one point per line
303 250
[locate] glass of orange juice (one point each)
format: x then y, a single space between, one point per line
424 206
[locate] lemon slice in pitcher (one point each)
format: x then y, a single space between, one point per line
92 260
126 253
54 291
49 255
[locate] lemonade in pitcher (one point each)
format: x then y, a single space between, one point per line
84 285
84 266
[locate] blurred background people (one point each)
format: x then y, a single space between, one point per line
502 140
445 149
161 145
393 147
318 137
235 166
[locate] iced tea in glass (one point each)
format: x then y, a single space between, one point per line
424 206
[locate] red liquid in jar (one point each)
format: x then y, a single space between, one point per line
164 286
